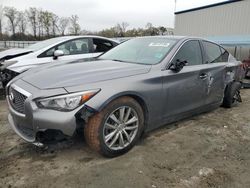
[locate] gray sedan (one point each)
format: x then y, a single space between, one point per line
138 86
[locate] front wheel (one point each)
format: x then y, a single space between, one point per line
115 129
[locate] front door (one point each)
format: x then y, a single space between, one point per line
185 90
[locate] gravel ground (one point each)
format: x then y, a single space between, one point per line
209 150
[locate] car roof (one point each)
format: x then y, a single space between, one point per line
175 37
63 39
69 37
170 36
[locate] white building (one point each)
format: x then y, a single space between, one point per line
226 18
227 23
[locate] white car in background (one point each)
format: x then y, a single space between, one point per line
67 48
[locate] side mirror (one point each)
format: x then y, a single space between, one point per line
58 53
178 65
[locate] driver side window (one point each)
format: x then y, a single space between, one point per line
189 52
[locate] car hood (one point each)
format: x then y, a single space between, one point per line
81 73
12 53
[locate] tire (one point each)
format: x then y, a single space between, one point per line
247 74
96 130
232 94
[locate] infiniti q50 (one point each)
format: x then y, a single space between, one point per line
138 86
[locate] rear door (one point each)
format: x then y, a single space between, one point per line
185 90
216 59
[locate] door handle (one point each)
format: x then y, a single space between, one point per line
203 76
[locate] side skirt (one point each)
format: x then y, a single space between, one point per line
184 115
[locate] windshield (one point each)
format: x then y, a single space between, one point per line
45 43
141 50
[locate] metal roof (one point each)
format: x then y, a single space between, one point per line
207 6
239 40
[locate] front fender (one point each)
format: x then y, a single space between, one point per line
126 93
99 105
21 69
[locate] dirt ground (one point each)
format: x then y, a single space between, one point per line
209 150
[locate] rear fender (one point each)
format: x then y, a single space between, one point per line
233 72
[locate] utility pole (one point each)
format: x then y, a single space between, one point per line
1 20
175 1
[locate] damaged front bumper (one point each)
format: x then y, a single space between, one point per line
5 76
33 122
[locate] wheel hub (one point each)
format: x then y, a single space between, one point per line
120 127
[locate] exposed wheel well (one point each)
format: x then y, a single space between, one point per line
232 81
85 114
229 92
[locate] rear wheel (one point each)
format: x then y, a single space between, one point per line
115 129
232 95
247 75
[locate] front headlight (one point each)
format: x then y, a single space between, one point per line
66 102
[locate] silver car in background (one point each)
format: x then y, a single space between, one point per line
136 87
67 48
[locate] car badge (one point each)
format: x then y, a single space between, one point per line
11 96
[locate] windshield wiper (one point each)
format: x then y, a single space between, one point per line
117 60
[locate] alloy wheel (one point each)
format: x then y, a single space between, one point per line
120 128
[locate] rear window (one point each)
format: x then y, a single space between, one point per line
214 53
224 55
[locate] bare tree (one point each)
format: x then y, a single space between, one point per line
22 23
149 25
46 20
75 28
124 26
12 14
63 24
45 24
151 30
1 19
40 25
32 15
118 30
54 23
121 29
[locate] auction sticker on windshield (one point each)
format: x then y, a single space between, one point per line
159 44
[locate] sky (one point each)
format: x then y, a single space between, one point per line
95 15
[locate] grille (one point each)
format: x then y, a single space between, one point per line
29 132
17 100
